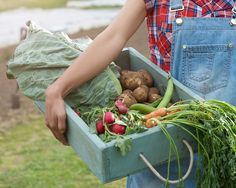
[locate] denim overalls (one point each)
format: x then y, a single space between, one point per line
204 59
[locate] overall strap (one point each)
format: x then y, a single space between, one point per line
234 10
176 5
233 19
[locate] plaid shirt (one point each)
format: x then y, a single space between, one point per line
159 20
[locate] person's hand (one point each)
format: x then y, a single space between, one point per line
55 115
99 54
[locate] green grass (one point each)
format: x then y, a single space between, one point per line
31 157
12 4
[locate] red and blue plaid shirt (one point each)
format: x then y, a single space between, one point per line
159 20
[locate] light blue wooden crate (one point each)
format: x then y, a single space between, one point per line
103 159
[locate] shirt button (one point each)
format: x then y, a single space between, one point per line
184 46
233 21
179 21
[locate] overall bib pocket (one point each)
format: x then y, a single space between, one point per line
206 67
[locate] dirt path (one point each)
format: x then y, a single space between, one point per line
9 117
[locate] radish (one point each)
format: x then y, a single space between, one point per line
119 103
121 107
123 110
118 129
100 127
78 113
109 117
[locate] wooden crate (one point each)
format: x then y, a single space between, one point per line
103 159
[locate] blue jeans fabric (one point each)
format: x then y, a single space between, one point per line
146 179
203 59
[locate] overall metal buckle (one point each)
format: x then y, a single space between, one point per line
233 19
178 8
234 10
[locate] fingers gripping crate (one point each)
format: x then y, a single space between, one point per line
103 159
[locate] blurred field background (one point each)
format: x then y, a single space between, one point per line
12 4
30 156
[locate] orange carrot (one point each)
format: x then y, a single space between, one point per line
151 123
159 112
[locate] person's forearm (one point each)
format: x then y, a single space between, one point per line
103 50
95 59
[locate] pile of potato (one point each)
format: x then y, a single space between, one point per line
137 87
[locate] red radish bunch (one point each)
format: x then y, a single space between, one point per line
109 117
100 127
122 108
118 129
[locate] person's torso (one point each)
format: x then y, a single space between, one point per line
160 18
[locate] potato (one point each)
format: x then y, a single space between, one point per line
127 91
133 82
141 93
127 99
153 94
148 80
153 90
123 77
125 72
131 79
153 97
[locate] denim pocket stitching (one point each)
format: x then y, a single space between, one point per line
205 75
206 88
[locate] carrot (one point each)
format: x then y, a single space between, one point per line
159 112
151 123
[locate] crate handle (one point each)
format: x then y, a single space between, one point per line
159 176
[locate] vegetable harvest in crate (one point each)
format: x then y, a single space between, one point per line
115 110
213 122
